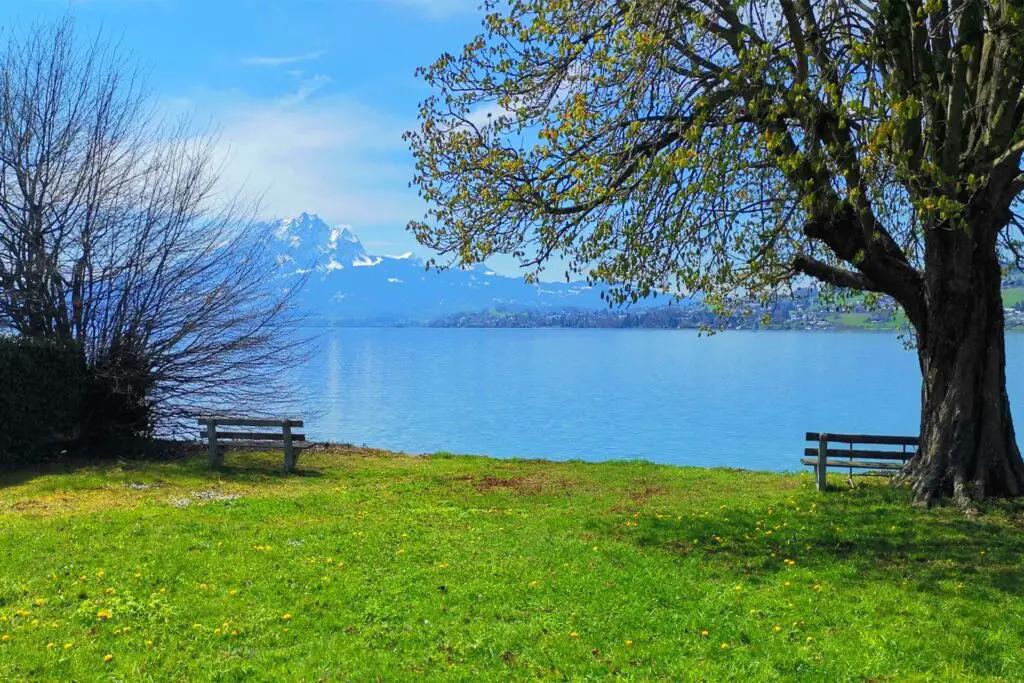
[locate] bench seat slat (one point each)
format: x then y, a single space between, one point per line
253 436
857 453
866 438
297 445
248 422
855 464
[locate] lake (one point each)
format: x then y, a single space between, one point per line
738 399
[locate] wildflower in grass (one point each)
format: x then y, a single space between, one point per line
724 646
534 584
82 578
595 548
138 575
50 646
232 592
401 551
22 613
40 602
777 628
216 631
234 633
68 646
788 584
629 643
286 616
739 587
442 565
810 639
573 634
704 634
108 658
149 643
35 622
109 591
100 574
817 586
104 615
203 586
4 638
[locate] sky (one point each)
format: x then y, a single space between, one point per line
309 97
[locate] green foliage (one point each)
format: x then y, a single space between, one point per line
41 401
726 147
461 568
53 402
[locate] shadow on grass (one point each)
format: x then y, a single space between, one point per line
185 460
866 535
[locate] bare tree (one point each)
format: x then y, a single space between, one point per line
116 237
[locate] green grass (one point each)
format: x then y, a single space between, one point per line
1013 296
373 566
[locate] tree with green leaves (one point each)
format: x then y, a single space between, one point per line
734 147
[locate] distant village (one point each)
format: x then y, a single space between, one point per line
801 312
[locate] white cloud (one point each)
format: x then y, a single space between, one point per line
329 154
283 60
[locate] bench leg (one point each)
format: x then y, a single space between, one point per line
215 453
822 466
289 449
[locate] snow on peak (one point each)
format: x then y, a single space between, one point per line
308 241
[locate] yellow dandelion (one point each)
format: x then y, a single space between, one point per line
232 592
595 548
50 646
108 658
810 639
629 643
777 628
103 615
573 634
286 616
401 551
149 643
100 573
442 565
234 633
138 575
724 646
216 631
704 634
739 587
788 584
109 591
68 646
40 601
817 586
203 586
4 638
534 584
82 577
35 622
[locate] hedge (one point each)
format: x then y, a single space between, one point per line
41 399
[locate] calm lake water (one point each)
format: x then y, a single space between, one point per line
739 399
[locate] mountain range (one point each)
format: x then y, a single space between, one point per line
347 285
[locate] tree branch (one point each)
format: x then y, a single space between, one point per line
837 277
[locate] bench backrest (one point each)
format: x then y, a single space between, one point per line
907 446
235 435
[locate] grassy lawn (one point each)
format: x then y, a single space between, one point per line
374 566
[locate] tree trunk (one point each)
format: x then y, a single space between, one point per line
967 449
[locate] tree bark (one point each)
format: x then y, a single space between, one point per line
968 449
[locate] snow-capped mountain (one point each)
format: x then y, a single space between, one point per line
346 284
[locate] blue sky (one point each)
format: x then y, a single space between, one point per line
310 96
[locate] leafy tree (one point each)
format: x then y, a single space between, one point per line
733 146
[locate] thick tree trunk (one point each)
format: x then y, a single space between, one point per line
968 450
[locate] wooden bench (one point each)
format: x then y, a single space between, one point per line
217 441
823 456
